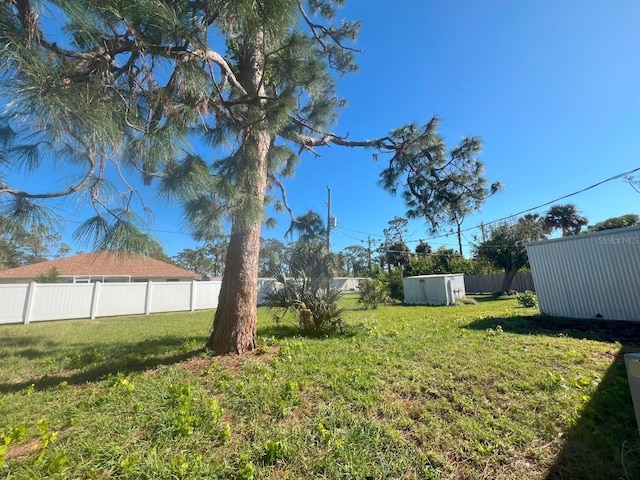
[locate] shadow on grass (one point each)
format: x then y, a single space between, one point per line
604 443
491 297
91 363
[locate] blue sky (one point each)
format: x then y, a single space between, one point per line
552 88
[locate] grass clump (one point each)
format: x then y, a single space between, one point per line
466 301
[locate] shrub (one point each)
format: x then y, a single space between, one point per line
373 293
528 299
393 283
314 305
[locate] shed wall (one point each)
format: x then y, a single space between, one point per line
433 289
594 275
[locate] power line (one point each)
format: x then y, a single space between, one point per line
582 190
615 177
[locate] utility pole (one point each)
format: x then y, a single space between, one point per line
369 252
328 218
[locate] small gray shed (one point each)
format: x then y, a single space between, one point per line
433 289
592 275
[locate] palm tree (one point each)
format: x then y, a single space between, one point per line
564 217
308 226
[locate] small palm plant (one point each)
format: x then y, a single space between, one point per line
311 301
373 293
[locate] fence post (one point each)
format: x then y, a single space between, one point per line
147 303
28 304
192 301
95 298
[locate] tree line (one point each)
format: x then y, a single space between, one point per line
503 249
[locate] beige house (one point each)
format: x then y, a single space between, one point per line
101 267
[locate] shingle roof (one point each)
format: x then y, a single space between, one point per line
101 263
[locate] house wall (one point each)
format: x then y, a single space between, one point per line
346 284
37 302
594 275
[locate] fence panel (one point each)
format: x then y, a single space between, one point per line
169 297
121 299
206 294
12 302
493 282
59 301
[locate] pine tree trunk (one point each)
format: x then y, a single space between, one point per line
235 320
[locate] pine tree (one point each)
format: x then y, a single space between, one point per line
122 87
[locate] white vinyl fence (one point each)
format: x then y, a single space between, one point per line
39 302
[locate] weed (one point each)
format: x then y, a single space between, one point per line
527 299
246 470
46 437
273 451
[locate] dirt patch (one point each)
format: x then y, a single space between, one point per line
23 449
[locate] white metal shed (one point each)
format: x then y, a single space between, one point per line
433 289
592 275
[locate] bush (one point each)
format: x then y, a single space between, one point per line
393 283
373 293
528 299
314 306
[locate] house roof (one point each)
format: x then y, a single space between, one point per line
101 264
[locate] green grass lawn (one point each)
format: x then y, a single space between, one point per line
489 391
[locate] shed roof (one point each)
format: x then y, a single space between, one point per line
634 229
102 263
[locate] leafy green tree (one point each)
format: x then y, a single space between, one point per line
207 260
628 220
443 188
423 248
398 254
50 277
443 258
20 247
505 247
395 250
312 259
356 260
10 255
113 88
566 218
272 257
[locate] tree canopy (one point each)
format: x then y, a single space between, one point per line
505 247
441 187
123 88
622 221
566 218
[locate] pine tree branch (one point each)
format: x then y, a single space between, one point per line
61 193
